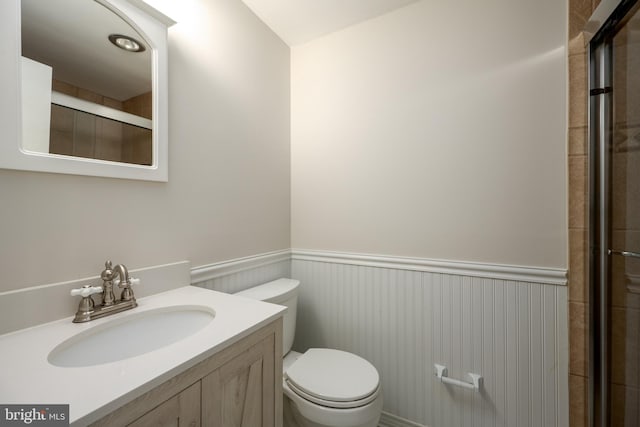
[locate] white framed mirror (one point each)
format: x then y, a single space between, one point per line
86 88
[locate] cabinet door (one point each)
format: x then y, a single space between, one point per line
182 410
241 393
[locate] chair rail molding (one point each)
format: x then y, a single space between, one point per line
545 275
236 265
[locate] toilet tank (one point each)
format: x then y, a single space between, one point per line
281 292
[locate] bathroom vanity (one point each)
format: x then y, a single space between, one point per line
234 387
226 371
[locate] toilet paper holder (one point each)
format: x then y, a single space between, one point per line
442 375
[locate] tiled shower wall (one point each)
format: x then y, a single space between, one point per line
579 13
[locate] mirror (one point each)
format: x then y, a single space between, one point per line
92 92
98 70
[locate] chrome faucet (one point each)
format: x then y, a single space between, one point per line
110 275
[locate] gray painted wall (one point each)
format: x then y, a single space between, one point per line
228 189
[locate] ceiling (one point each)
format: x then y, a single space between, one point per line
299 21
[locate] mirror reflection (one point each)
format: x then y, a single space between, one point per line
87 83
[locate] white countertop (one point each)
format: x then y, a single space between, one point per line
26 377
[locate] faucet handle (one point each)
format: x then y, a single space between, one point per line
132 281
86 306
86 291
127 292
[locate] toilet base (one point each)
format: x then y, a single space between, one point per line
293 418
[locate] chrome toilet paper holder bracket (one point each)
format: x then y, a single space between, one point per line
442 375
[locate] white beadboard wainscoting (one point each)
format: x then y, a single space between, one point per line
508 324
242 273
404 315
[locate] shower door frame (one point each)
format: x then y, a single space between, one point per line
600 119
599 33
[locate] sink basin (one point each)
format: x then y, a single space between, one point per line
131 335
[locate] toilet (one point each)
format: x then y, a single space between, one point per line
322 387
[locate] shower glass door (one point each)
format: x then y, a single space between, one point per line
615 226
624 360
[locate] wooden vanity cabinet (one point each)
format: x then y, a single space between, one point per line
240 386
183 409
241 392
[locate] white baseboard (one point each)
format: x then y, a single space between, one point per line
389 420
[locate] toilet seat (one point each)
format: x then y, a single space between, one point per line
333 379
334 404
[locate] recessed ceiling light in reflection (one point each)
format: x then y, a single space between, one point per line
126 43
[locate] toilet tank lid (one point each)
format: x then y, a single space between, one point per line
276 291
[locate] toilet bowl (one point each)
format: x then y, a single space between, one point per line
322 387
330 388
